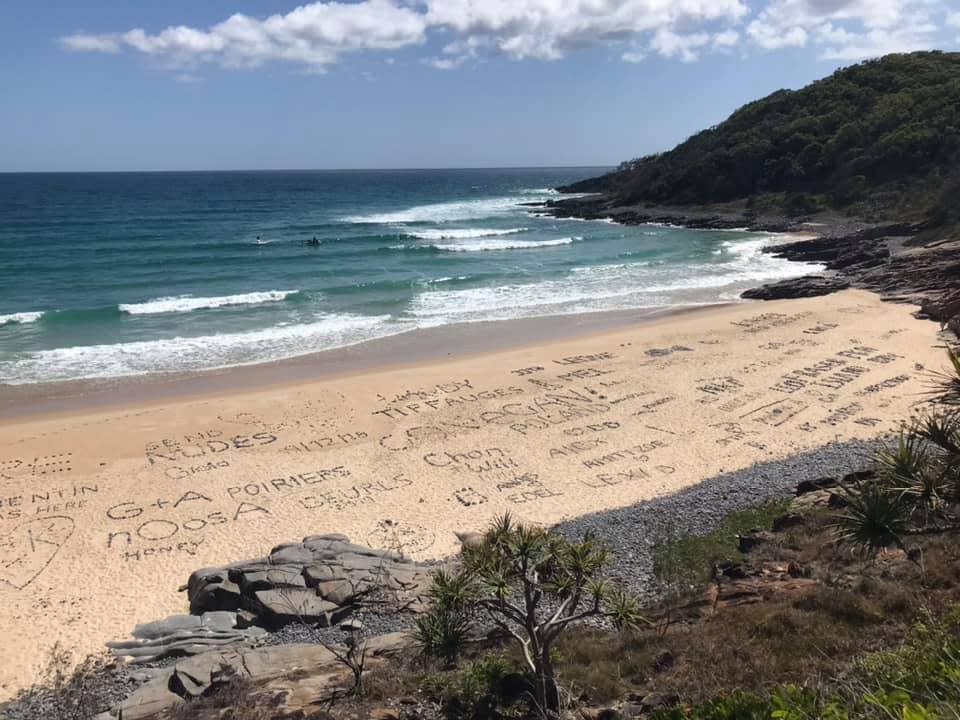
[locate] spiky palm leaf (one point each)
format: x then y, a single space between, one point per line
875 517
905 462
913 469
945 386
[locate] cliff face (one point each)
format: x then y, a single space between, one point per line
879 140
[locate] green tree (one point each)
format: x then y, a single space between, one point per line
531 584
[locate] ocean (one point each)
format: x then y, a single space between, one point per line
119 274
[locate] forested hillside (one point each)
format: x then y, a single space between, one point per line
876 139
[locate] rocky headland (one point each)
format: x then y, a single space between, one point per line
901 261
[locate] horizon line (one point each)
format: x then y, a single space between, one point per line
308 170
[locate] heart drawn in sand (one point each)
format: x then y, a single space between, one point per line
27 549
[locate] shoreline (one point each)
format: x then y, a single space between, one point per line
32 400
456 341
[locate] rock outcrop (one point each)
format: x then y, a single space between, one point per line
180 635
302 676
806 286
320 581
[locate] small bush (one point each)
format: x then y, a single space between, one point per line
487 687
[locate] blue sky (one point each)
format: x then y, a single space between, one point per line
231 84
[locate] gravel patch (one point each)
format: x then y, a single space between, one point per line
631 532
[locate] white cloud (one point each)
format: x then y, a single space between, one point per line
726 39
313 35
686 47
847 29
92 43
318 34
549 29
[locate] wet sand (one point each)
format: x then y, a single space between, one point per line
116 492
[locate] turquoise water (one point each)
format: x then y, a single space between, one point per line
118 274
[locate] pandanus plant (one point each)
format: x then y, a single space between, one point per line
531 584
917 483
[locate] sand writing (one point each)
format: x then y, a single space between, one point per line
350 496
776 413
289 483
820 328
449 401
323 443
173 533
521 372
580 359
474 461
203 444
38 466
178 472
636 452
589 429
841 414
522 489
584 374
576 448
468 497
631 475
651 406
447 388
663 352
734 432
545 411
415 436
719 385
629 397
56 501
767 321
887 384
30 547
735 403
800 379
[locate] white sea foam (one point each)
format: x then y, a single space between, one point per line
461 233
487 245
441 212
187 303
20 318
192 353
614 286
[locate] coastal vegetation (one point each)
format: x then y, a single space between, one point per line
531 585
879 140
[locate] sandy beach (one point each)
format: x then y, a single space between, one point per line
105 510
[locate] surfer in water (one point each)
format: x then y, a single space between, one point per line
314 242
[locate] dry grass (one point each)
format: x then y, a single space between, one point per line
236 699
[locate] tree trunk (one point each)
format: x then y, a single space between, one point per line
547 693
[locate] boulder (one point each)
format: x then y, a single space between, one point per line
280 607
276 577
